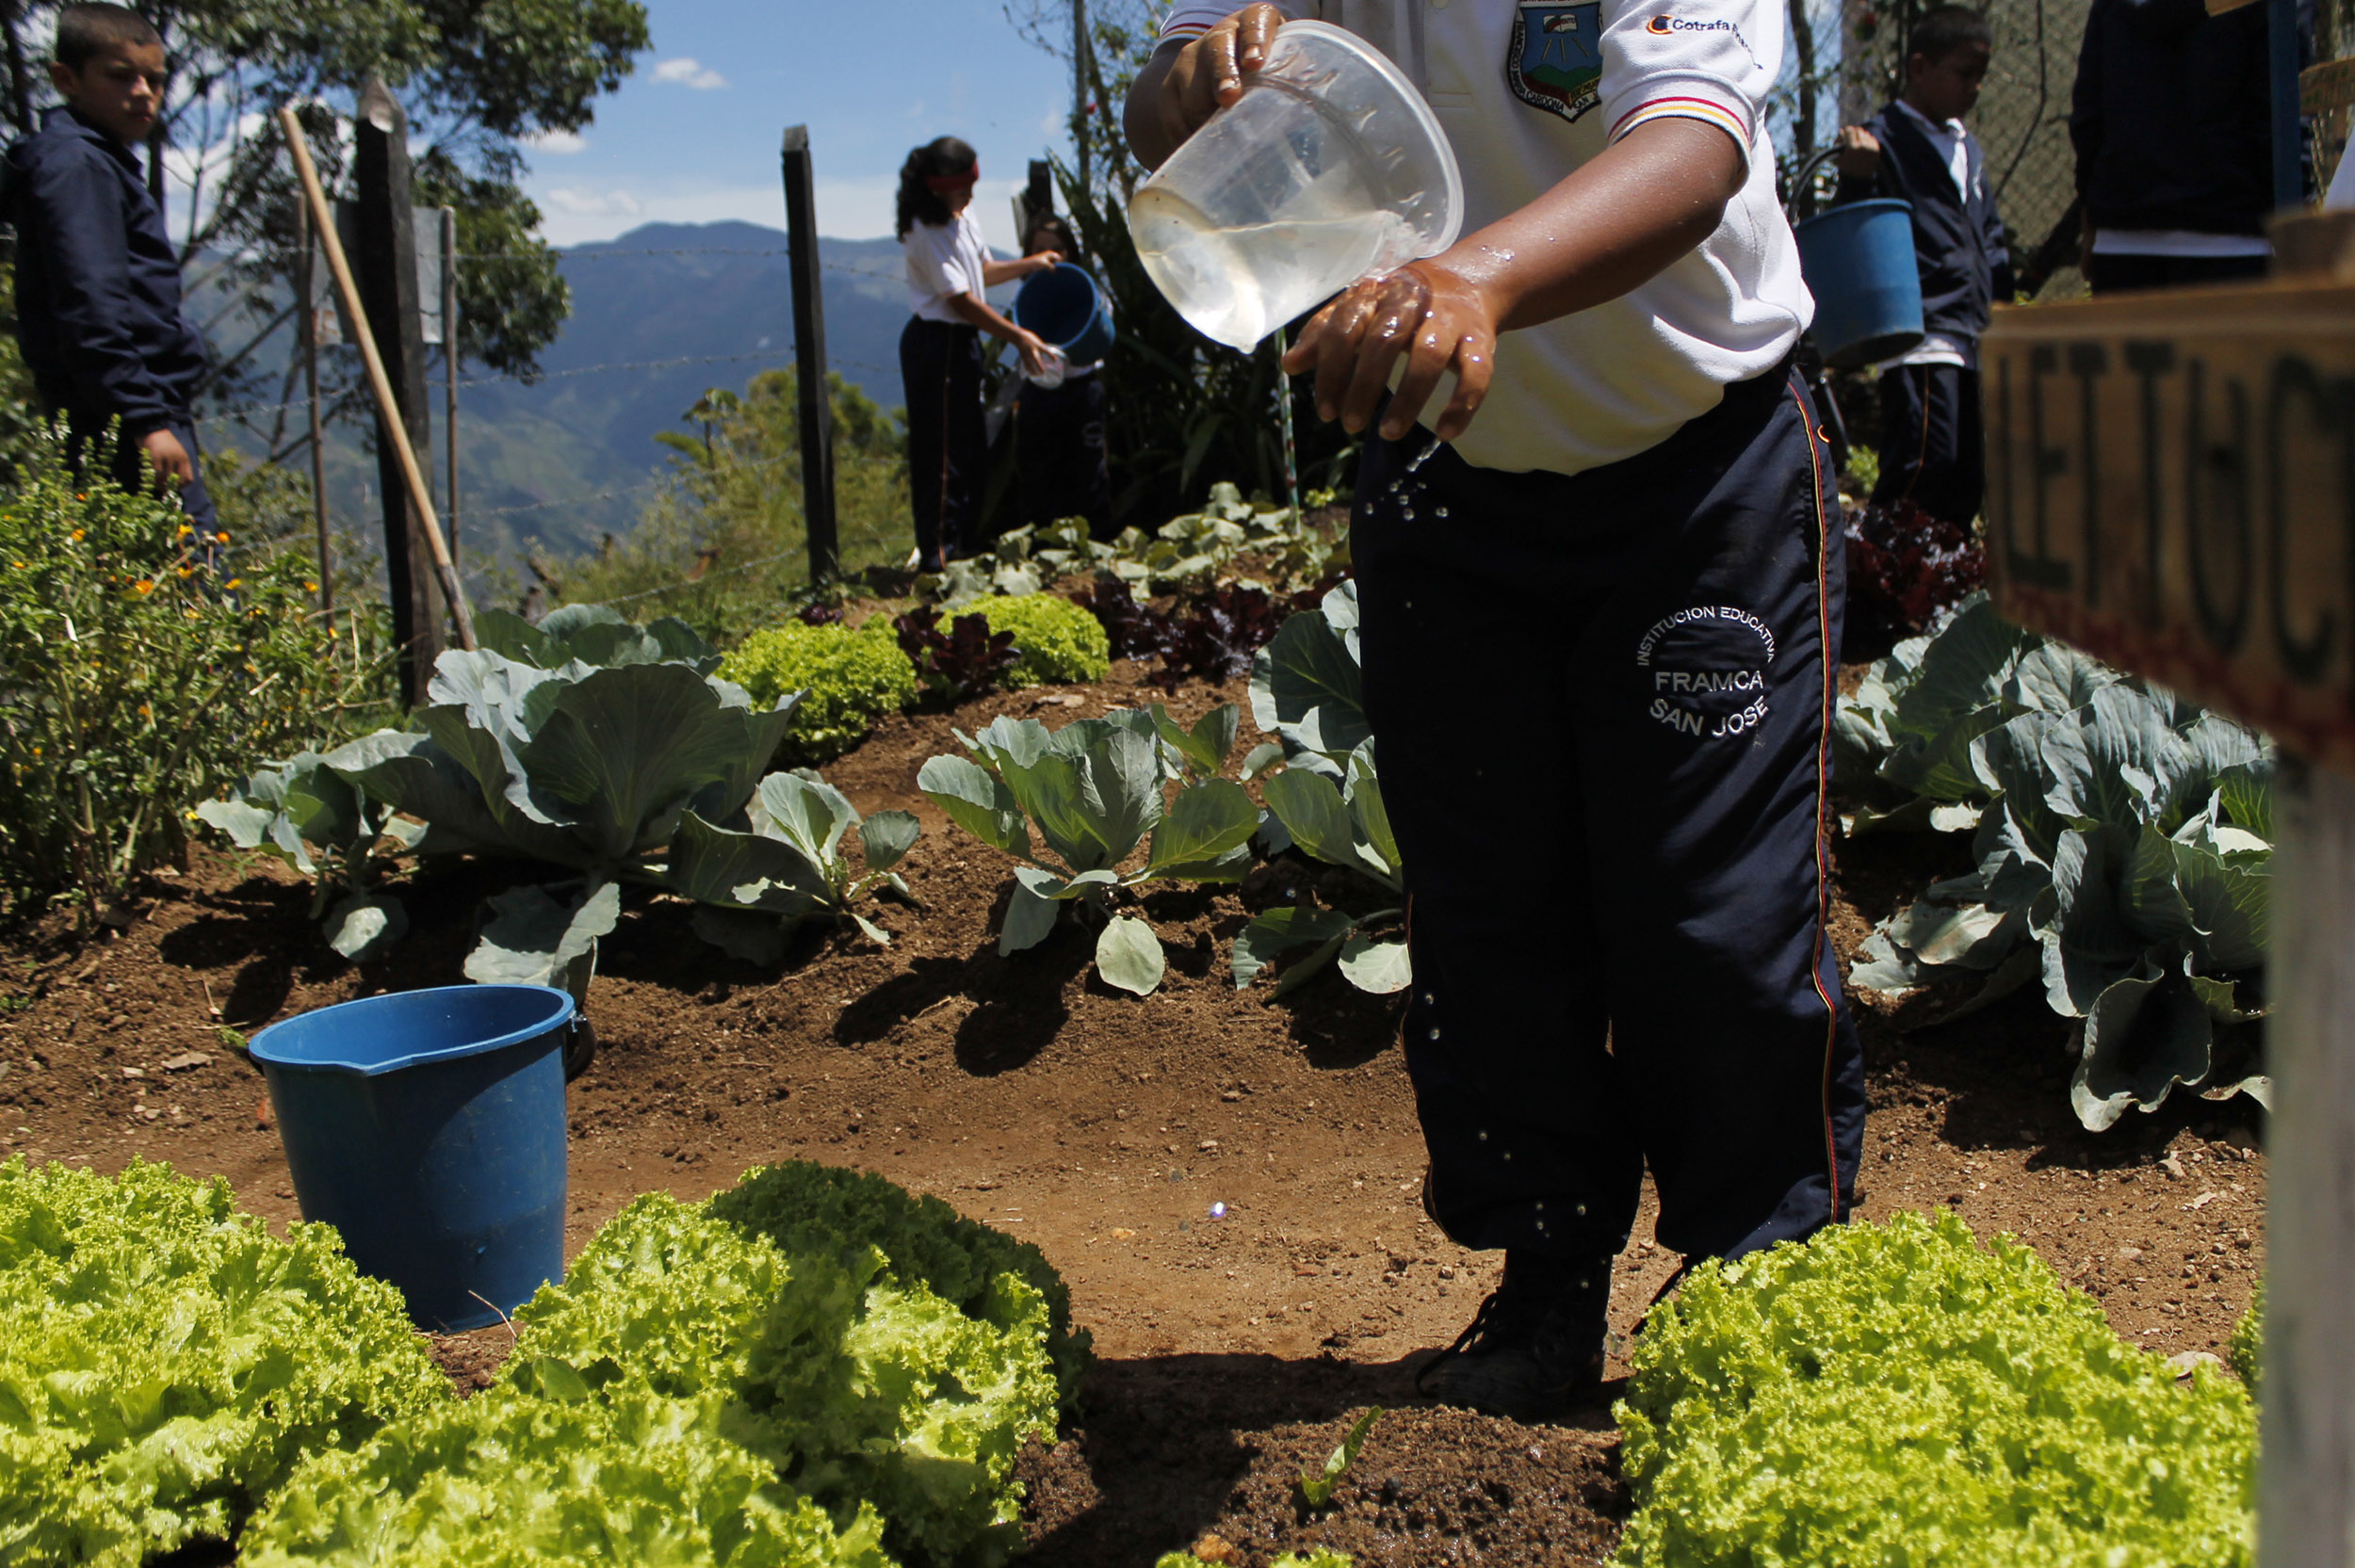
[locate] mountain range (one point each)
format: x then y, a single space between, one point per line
660 315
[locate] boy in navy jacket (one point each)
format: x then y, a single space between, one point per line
97 279
1918 150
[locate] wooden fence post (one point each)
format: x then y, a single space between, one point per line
809 358
450 360
306 284
388 293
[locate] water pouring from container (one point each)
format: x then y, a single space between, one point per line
1329 167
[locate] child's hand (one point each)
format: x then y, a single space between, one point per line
1859 152
1208 74
170 459
1439 320
1044 260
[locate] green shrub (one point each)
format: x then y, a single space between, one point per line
2246 1350
1058 640
852 678
165 1362
135 680
1897 1394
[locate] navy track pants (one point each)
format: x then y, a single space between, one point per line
1932 451
940 370
1604 716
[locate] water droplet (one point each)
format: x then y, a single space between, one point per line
1218 1211
1483 1135
1440 512
1433 1034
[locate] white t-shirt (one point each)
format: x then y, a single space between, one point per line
1530 91
944 259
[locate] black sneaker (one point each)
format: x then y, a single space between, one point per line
1533 1352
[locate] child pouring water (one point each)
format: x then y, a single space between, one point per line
1597 588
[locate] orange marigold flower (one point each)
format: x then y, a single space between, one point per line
144 586
231 583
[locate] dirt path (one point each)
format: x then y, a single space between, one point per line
1104 1128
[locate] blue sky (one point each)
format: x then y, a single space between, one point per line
694 135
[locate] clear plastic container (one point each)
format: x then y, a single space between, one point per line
1329 167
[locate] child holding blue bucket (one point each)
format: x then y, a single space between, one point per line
1059 452
1611 554
1918 150
940 348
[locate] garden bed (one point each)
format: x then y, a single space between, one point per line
1103 1127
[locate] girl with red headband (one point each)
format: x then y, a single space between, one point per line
940 349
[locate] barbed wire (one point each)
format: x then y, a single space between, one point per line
698 582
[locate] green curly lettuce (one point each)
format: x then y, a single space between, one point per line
511 1479
984 1273
848 680
1058 640
855 1385
165 1363
2245 1352
1896 1393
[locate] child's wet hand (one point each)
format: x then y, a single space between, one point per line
1208 74
1438 319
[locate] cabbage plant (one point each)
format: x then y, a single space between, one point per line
752 888
2122 849
1343 825
1095 791
305 814
590 771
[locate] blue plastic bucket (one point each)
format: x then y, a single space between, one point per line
1063 306
1859 264
428 1126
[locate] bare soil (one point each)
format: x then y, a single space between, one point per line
1233 1351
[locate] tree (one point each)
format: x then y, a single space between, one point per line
477 78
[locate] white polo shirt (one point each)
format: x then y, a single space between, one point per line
944 259
1528 91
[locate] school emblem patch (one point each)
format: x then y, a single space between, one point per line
1557 58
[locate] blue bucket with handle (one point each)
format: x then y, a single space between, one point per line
1063 306
428 1126
1860 265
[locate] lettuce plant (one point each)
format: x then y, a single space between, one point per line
965 660
848 680
318 822
752 888
1058 641
508 1480
2122 853
166 1363
1897 1393
1096 790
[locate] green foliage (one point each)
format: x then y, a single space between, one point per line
1316 1487
2245 1353
2120 851
1899 1393
139 680
308 816
588 769
1058 640
753 888
165 1362
808 1208
510 1481
1325 801
594 635
848 680
1185 553
1095 789
725 544
857 1383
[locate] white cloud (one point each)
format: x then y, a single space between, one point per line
595 204
689 71
562 144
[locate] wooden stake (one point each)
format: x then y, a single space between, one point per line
310 319
388 408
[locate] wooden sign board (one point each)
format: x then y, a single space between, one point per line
2171 487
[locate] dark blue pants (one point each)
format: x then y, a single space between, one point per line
1932 451
1059 453
940 370
1604 718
